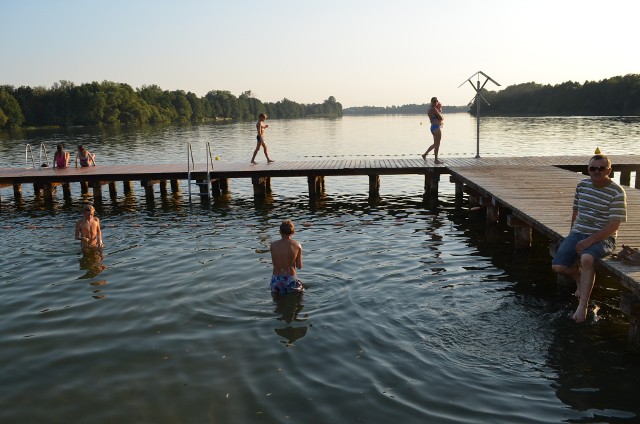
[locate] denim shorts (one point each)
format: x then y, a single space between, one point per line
566 254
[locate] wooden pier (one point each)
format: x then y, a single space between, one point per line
530 193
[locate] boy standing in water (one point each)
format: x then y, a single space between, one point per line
260 126
88 229
286 256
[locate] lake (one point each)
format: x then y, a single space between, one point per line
412 313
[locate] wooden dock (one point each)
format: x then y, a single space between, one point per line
532 193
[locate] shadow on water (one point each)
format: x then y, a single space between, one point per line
288 307
588 365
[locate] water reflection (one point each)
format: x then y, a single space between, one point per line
289 306
91 262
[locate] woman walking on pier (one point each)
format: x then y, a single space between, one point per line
260 126
61 158
436 119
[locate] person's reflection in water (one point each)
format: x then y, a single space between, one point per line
91 261
289 306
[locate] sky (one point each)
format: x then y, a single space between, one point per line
363 53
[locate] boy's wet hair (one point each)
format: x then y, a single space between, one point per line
287 227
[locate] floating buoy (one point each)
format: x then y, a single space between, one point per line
217 158
597 152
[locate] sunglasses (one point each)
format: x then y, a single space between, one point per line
598 168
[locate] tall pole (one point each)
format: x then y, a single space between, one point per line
477 87
478 121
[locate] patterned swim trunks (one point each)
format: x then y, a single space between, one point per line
286 284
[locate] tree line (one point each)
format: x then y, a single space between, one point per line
410 109
111 103
616 96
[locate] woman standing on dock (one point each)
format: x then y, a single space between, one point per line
61 158
84 156
436 119
260 126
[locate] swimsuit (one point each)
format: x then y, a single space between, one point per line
260 139
434 127
61 160
286 284
84 160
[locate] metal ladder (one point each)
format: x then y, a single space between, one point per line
191 167
43 154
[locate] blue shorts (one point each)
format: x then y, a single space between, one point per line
566 254
286 284
435 127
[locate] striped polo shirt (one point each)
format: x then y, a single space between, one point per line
597 206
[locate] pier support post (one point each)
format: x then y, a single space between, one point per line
316 186
431 181
66 191
261 186
17 191
113 192
522 232
47 189
459 190
374 187
175 186
630 305
625 178
148 189
97 191
163 188
219 186
638 178
84 187
493 210
127 187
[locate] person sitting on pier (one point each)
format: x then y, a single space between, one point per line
88 229
599 207
260 126
61 158
84 157
286 256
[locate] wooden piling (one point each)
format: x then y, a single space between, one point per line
522 232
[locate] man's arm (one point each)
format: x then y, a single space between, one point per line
605 232
299 257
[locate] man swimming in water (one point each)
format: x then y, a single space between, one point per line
286 256
88 229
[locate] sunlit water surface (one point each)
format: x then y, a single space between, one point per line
413 313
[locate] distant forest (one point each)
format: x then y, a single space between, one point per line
110 103
616 96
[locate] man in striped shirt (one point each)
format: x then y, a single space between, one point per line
599 206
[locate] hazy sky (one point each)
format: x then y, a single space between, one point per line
371 52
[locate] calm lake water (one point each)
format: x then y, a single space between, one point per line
412 314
